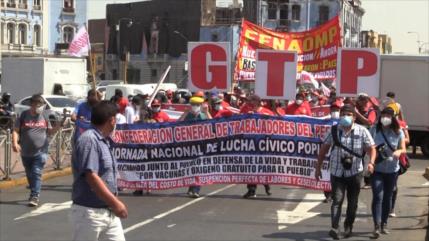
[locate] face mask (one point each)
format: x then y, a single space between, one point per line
386 121
196 108
346 121
218 107
156 109
335 115
299 102
40 109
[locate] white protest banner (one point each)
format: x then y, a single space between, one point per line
80 45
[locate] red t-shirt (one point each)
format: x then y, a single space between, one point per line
225 104
122 103
245 109
222 113
265 111
161 116
303 109
370 114
281 111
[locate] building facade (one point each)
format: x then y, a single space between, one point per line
24 27
298 15
372 39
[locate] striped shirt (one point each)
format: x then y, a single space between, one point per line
357 140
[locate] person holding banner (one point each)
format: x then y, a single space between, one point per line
96 210
253 106
217 110
158 114
299 107
199 111
348 142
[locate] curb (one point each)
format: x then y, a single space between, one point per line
23 180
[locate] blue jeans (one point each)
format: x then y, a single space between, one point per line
383 185
194 189
33 169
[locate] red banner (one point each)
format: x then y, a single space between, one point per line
316 48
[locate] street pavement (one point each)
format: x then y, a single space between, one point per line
220 214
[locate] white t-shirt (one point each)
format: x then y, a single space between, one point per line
120 119
131 114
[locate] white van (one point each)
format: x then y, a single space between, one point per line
134 89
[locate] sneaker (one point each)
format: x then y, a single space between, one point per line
195 195
376 233
348 231
33 202
334 234
392 215
249 195
366 187
327 200
190 193
138 193
384 229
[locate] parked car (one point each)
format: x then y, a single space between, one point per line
55 105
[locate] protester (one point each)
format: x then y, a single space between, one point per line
6 107
349 141
217 110
83 110
158 114
389 139
120 100
253 106
132 111
299 107
96 209
30 139
390 100
199 111
169 94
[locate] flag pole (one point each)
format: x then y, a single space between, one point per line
91 63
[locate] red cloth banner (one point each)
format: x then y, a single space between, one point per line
316 48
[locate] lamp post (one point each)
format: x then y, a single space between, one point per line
418 40
125 62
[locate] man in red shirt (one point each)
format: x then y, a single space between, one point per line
120 100
253 106
217 110
158 114
299 107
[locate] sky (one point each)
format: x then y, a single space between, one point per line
396 18
392 17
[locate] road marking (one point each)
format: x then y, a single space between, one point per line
171 225
46 208
161 215
301 211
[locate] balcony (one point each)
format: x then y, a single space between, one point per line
37 7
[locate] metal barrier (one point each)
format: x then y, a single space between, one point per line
59 148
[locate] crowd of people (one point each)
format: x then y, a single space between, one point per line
366 142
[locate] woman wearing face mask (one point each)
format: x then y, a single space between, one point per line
390 142
299 107
158 114
199 111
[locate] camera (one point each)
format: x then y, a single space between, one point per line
347 162
382 152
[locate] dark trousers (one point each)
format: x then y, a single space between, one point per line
341 185
194 189
382 191
395 194
251 188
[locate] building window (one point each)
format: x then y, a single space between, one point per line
68 34
37 35
323 14
153 73
114 74
22 4
2 3
11 4
272 9
68 6
37 5
296 12
22 28
11 33
133 76
99 60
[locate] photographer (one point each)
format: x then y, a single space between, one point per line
349 142
390 141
